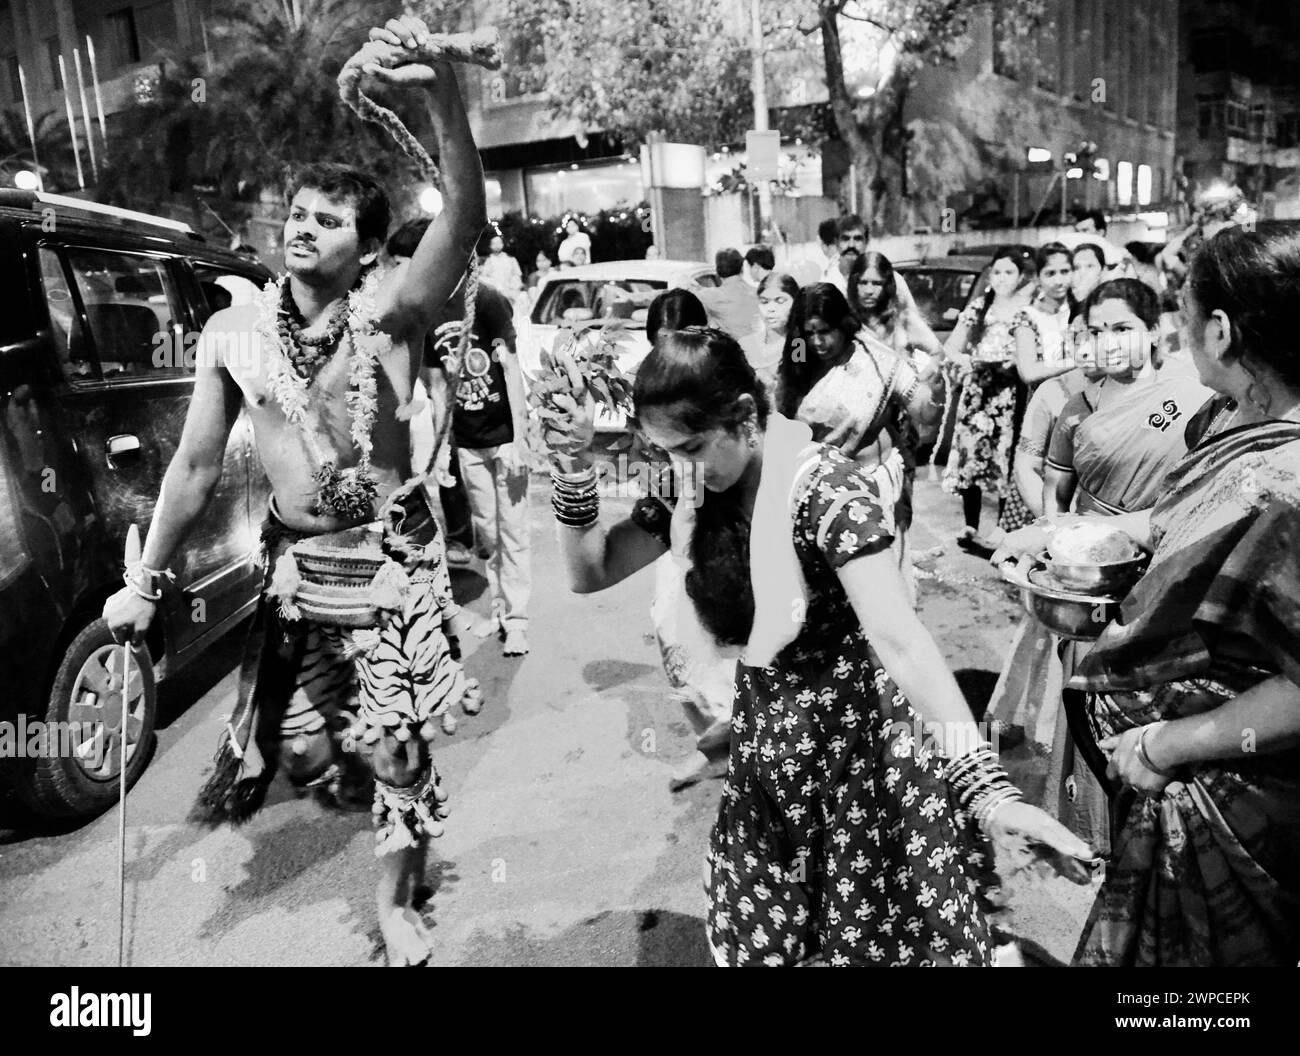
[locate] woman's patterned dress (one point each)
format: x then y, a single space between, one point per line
836 839
984 435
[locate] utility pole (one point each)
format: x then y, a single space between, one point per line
758 85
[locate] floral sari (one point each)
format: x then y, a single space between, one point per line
1208 872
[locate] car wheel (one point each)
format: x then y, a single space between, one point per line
75 775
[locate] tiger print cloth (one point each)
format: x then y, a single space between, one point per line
399 675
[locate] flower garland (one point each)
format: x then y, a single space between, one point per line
348 493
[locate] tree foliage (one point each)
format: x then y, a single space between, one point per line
268 101
676 66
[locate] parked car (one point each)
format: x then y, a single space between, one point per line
943 286
101 307
612 290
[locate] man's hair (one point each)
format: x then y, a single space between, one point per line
727 262
344 182
762 256
402 242
828 231
1097 217
851 222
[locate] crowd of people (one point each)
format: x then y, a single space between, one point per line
862 804
1075 397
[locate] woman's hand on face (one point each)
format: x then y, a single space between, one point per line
1024 831
1126 763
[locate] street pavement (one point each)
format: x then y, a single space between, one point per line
564 845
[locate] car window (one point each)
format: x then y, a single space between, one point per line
70 342
940 293
222 288
576 300
132 311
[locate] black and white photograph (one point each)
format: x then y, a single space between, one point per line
675 483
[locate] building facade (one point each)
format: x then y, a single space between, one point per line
1239 99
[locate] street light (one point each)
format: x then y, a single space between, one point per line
26 180
1038 155
431 200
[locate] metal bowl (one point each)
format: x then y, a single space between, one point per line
1079 617
1111 577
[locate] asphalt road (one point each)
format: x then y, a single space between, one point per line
564 845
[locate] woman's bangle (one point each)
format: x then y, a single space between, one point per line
1146 758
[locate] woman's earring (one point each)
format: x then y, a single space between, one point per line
751 437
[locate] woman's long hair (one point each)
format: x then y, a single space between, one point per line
702 377
886 310
1254 279
986 301
801 368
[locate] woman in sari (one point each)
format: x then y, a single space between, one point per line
1194 691
841 838
858 395
1110 453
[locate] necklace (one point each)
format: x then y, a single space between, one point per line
294 364
308 354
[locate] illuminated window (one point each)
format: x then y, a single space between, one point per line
1144 185
1124 181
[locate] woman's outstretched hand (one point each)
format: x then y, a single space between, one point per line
1024 831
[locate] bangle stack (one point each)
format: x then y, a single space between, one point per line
143 581
574 497
981 784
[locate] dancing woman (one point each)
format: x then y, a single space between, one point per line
841 836
1194 691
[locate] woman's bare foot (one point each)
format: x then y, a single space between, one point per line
407 942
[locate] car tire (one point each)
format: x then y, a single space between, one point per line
62 786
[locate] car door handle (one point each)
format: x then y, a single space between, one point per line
121 446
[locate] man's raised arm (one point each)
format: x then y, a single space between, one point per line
423 285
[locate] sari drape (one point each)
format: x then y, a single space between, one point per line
1208 872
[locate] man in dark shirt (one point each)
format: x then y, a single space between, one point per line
489 426
488 431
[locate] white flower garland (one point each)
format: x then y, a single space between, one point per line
343 492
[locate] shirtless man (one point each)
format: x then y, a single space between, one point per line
337 222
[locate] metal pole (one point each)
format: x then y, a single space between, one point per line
31 128
758 84
99 98
85 113
1015 198
133 554
1065 188
72 122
